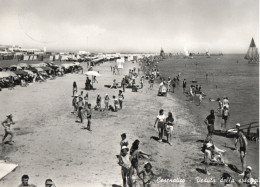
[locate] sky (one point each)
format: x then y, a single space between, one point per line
130 25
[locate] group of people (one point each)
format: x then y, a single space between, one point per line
129 160
25 182
214 155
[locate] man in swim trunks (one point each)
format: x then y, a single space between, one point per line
7 126
241 138
209 121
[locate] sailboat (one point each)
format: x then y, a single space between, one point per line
252 54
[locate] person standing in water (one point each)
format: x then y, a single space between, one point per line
225 114
7 126
241 138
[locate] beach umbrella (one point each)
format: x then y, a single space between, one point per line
92 73
15 66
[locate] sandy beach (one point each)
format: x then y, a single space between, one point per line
48 143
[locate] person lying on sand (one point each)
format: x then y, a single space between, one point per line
147 175
212 155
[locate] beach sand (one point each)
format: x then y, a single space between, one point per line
50 144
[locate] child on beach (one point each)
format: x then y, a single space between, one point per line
120 99
106 102
116 104
123 142
147 175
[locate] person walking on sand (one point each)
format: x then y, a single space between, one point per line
125 164
184 84
7 126
123 83
225 115
80 109
169 84
116 104
173 86
89 113
240 137
209 121
106 102
142 82
86 100
74 88
114 70
120 99
169 127
160 120
151 81
98 101
75 104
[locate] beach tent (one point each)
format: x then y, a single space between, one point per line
26 57
29 72
20 72
11 74
34 57
3 74
39 69
23 65
252 53
51 58
16 67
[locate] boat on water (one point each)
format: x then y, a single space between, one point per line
252 54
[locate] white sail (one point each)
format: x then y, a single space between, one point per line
252 53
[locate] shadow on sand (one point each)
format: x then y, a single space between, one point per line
201 170
157 139
234 168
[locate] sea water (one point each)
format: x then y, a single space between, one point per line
228 75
